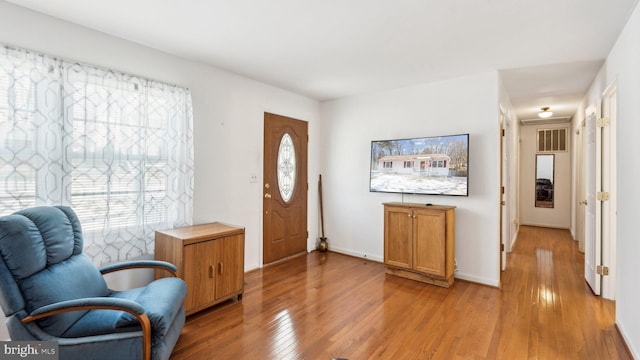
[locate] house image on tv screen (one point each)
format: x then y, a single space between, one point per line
428 166
431 165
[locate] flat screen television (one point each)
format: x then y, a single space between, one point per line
437 165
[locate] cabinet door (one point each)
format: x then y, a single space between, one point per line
397 237
429 241
229 265
199 274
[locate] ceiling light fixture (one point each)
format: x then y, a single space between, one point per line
545 113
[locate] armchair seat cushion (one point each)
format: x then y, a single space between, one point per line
162 300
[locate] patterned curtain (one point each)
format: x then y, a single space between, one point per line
116 148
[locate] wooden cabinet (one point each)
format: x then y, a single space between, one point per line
210 259
419 242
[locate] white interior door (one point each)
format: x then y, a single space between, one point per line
593 238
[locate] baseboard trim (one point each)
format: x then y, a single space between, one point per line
547 226
477 280
624 341
359 255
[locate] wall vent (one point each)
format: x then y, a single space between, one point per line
553 140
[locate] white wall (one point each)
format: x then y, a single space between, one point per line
354 216
228 117
560 215
623 67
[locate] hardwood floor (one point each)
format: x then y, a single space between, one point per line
328 305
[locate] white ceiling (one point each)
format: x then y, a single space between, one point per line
548 51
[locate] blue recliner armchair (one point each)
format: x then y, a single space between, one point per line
51 291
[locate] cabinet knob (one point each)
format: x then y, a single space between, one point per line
220 268
211 271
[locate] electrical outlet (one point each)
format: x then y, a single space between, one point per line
253 178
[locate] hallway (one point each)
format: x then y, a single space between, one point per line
547 306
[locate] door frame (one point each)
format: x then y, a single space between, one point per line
504 217
580 198
609 176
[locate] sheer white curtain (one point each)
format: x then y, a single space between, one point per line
115 147
31 156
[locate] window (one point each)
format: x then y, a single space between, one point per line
408 164
116 148
387 165
286 167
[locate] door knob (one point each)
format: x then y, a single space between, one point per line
266 186
267 196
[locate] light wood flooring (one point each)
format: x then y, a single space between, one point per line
328 305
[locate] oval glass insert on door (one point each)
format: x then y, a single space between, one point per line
286 167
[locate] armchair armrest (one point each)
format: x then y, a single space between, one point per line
129 306
157 264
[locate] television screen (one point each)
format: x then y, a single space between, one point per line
428 165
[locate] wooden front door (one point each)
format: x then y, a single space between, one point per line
285 187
